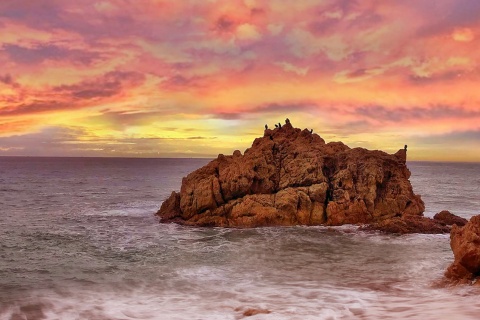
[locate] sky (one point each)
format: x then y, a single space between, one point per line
191 78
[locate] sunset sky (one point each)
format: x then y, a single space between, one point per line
194 78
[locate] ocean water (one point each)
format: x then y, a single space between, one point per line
79 240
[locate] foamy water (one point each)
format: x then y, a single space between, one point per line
78 240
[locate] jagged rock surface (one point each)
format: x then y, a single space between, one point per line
292 177
465 244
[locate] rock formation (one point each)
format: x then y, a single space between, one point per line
441 223
408 224
292 177
465 243
449 218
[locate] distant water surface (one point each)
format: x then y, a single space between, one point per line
78 240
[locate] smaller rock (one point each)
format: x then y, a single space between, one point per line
408 224
252 312
171 206
465 244
449 218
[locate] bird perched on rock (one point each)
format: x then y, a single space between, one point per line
405 148
266 126
279 125
311 130
276 125
287 120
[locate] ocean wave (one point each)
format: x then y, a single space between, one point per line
212 300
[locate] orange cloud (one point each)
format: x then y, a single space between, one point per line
463 35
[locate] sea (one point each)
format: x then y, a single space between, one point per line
79 240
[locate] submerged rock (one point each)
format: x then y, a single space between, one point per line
292 177
465 244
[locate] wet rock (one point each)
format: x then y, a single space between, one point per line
253 311
292 177
465 244
408 224
449 218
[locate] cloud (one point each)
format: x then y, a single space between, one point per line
445 16
285 107
273 107
452 137
47 142
8 80
235 115
443 77
183 83
34 107
288 67
38 54
200 138
110 84
350 127
121 120
225 24
463 35
348 76
77 141
75 96
248 31
402 114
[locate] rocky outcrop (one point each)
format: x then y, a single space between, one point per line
408 224
292 177
441 223
465 244
450 219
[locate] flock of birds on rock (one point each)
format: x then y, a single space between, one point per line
279 125
287 121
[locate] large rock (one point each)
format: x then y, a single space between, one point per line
292 177
465 243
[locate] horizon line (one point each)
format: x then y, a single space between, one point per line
187 158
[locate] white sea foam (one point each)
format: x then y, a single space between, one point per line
213 302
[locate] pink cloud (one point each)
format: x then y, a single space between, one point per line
70 97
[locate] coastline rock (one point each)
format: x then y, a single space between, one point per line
441 223
465 244
253 311
449 218
292 177
409 224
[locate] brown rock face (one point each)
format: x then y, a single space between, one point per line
449 218
465 243
292 177
441 223
409 224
